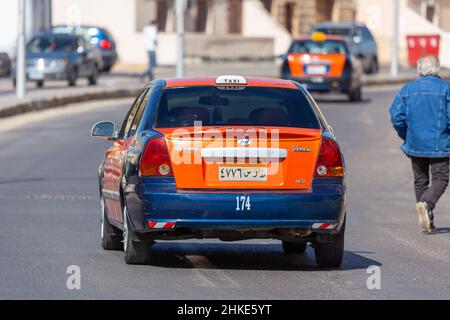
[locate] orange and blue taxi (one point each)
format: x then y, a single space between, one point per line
231 158
324 63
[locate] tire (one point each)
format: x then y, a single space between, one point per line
374 67
294 247
93 77
39 83
72 78
355 95
330 255
111 236
135 251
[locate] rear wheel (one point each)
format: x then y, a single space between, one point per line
111 236
135 251
294 247
374 67
355 94
330 255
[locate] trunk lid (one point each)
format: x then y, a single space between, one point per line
243 157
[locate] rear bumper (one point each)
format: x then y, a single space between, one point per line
324 84
54 74
157 200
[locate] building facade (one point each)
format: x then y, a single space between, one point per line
215 29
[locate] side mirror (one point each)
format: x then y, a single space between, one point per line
356 39
104 130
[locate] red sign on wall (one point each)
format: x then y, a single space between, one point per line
421 45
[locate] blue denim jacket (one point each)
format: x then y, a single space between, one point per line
420 114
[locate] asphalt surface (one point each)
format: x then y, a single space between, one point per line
50 214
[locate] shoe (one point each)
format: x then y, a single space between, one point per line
423 214
431 216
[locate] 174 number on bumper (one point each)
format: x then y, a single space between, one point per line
243 203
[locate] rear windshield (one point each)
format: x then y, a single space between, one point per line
346 32
318 47
245 106
52 44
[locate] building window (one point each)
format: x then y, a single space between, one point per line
150 10
429 9
289 15
324 10
162 9
267 4
234 16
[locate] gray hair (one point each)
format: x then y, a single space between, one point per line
428 66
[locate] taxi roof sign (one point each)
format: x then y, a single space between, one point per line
318 36
231 80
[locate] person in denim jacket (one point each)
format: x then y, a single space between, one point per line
420 114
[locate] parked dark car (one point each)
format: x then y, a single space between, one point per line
99 38
81 32
363 44
5 64
53 56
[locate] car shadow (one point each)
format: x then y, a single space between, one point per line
244 256
344 100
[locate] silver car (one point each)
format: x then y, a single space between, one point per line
53 56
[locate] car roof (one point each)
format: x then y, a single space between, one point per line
338 25
81 26
211 81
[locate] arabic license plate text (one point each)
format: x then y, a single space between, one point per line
228 173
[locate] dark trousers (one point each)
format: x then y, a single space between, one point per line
439 169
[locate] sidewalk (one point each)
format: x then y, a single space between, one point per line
127 84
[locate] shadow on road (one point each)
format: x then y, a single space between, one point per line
440 231
244 257
322 99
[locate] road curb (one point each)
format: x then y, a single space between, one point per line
53 102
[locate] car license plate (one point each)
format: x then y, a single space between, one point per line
316 69
228 173
35 75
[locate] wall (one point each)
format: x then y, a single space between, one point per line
8 25
118 16
257 22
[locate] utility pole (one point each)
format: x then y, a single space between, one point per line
20 58
179 10
395 37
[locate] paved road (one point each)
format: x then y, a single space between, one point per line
49 214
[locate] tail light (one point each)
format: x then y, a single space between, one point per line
156 160
329 163
105 44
